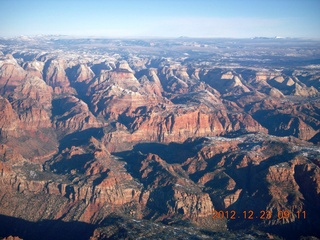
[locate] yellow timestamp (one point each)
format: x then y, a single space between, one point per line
262 214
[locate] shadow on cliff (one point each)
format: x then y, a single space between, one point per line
80 138
75 162
171 153
315 139
45 229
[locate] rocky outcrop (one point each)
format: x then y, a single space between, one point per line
32 102
9 120
71 115
290 118
82 73
26 120
170 192
34 68
176 124
122 75
11 74
55 76
224 82
107 186
150 82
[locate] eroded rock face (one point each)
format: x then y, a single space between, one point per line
83 73
169 191
106 188
71 115
32 102
9 119
26 122
34 68
259 174
11 74
289 119
55 76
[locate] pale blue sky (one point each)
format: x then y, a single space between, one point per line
166 18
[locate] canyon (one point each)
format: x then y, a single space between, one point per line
125 138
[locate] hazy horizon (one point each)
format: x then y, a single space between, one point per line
161 19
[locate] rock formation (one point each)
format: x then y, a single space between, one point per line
119 144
